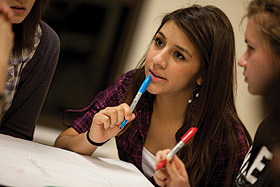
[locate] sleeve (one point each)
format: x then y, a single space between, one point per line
112 96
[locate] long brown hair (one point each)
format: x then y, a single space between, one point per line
25 31
210 31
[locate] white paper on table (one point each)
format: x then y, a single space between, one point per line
26 163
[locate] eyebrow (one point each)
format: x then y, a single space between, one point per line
177 46
184 50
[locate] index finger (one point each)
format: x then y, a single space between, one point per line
161 155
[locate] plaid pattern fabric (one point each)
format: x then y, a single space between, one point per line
130 143
112 96
15 67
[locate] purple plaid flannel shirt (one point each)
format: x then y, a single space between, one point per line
130 143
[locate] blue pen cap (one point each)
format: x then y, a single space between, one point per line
145 84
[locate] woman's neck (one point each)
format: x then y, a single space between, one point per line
172 108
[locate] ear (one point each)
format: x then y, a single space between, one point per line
199 81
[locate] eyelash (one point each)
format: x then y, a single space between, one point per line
157 40
179 56
176 54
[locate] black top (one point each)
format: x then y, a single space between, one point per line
256 169
20 119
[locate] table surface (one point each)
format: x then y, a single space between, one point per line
27 163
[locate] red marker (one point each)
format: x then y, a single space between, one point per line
184 139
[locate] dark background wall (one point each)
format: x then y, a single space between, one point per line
95 36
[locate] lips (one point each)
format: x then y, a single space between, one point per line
245 77
18 9
156 75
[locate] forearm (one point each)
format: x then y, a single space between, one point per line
72 140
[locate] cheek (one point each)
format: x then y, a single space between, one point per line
149 59
29 6
149 56
8 2
185 77
259 78
262 67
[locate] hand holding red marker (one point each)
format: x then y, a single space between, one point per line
184 139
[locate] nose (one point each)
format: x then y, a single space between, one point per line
161 58
242 61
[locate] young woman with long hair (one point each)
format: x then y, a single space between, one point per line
191 63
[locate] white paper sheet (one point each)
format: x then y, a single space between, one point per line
25 163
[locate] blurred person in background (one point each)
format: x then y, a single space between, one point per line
31 67
6 45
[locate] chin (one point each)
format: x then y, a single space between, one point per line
253 91
151 91
17 20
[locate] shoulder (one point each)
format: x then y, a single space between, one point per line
49 35
268 133
235 136
116 90
48 50
126 78
240 138
128 75
239 132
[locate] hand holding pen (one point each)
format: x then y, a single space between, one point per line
175 174
108 122
184 139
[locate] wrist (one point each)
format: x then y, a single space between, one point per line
92 142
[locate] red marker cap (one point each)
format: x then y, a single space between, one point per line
189 134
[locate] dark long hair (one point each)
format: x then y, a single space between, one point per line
210 31
25 31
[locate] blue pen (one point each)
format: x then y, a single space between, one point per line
142 89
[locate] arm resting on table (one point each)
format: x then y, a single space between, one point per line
70 139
